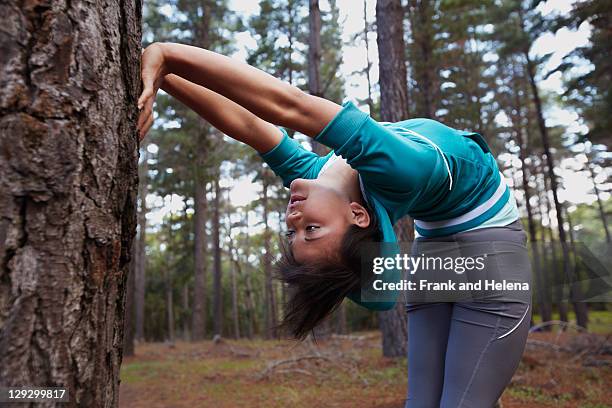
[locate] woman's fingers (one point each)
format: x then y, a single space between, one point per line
146 94
145 117
146 111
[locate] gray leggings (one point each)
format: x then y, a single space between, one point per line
463 354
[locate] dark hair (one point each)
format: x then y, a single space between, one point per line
317 289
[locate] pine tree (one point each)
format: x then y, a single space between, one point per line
393 108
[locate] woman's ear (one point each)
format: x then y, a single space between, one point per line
360 215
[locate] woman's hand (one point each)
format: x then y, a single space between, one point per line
153 71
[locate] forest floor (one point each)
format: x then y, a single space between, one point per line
559 369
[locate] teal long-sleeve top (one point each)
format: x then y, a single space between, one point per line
444 178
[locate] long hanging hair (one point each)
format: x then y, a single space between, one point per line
317 289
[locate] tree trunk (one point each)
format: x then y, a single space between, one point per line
544 246
558 280
314 60
198 329
235 271
393 108
545 288
170 304
199 313
186 312
68 174
234 265
572 242
249 290
217 289
235 312
141 261
392 60
270 300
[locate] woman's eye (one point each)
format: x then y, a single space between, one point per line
289 234
311 228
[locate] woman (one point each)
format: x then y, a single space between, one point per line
461 354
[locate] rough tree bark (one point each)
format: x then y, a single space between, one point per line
393 108
69 81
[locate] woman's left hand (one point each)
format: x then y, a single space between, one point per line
153 70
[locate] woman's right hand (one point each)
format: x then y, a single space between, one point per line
153 71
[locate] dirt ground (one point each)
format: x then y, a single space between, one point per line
558 370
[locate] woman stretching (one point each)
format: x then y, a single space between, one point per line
460 354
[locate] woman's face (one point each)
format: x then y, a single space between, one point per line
317 218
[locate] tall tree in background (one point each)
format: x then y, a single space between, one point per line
217 289
393 108
331 88
235 267
170 255
324 57
68 173
332 82
314 59
270 309
201 13
139 251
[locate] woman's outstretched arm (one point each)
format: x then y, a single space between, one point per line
224 114
265 96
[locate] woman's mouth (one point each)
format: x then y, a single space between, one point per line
296 198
